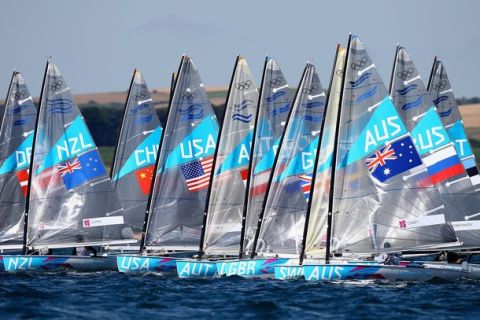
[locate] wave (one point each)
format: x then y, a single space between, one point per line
242 118
413 104
360 80
280 110
367 94
243 105
312 118
139 108
407 89
276 95
144 119
440 99
444 114
314 104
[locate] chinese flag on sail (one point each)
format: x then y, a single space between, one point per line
144 178
22 177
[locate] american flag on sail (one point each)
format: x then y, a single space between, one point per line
197 174
306 185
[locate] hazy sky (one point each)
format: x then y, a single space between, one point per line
96 44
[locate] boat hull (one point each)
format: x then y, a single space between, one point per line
196 269
58 263
146 264
250 268
333 272
469 270
289 272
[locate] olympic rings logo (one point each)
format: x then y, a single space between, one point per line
57 85
359 64
312 90
20 94
440 85
275 82
405 74
140 96
189 96
243 85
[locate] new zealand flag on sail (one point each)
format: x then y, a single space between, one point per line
81 169
395 158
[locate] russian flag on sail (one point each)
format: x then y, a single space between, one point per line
443 164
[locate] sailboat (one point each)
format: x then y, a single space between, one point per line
178 196
273 109
281 221
70 200
16 137
374 207
442 95
315 229
437 149
221 232
135 155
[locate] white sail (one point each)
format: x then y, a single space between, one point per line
231 171
377 203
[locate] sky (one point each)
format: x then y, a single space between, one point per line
97 44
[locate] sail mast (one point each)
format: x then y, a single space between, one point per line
394 67
214 163
432 73
155 168
114 164
272 172
317 157
334 158
27 198
14 73
252 149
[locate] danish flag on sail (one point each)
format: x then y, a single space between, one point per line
22 177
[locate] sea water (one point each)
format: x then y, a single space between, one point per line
111 295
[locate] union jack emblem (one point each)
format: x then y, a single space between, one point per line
69 167
379 158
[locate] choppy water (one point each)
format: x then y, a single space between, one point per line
118 296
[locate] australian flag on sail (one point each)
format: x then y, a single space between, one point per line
82 169
197 174
395 158
306 184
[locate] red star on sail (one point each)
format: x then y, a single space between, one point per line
144 178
